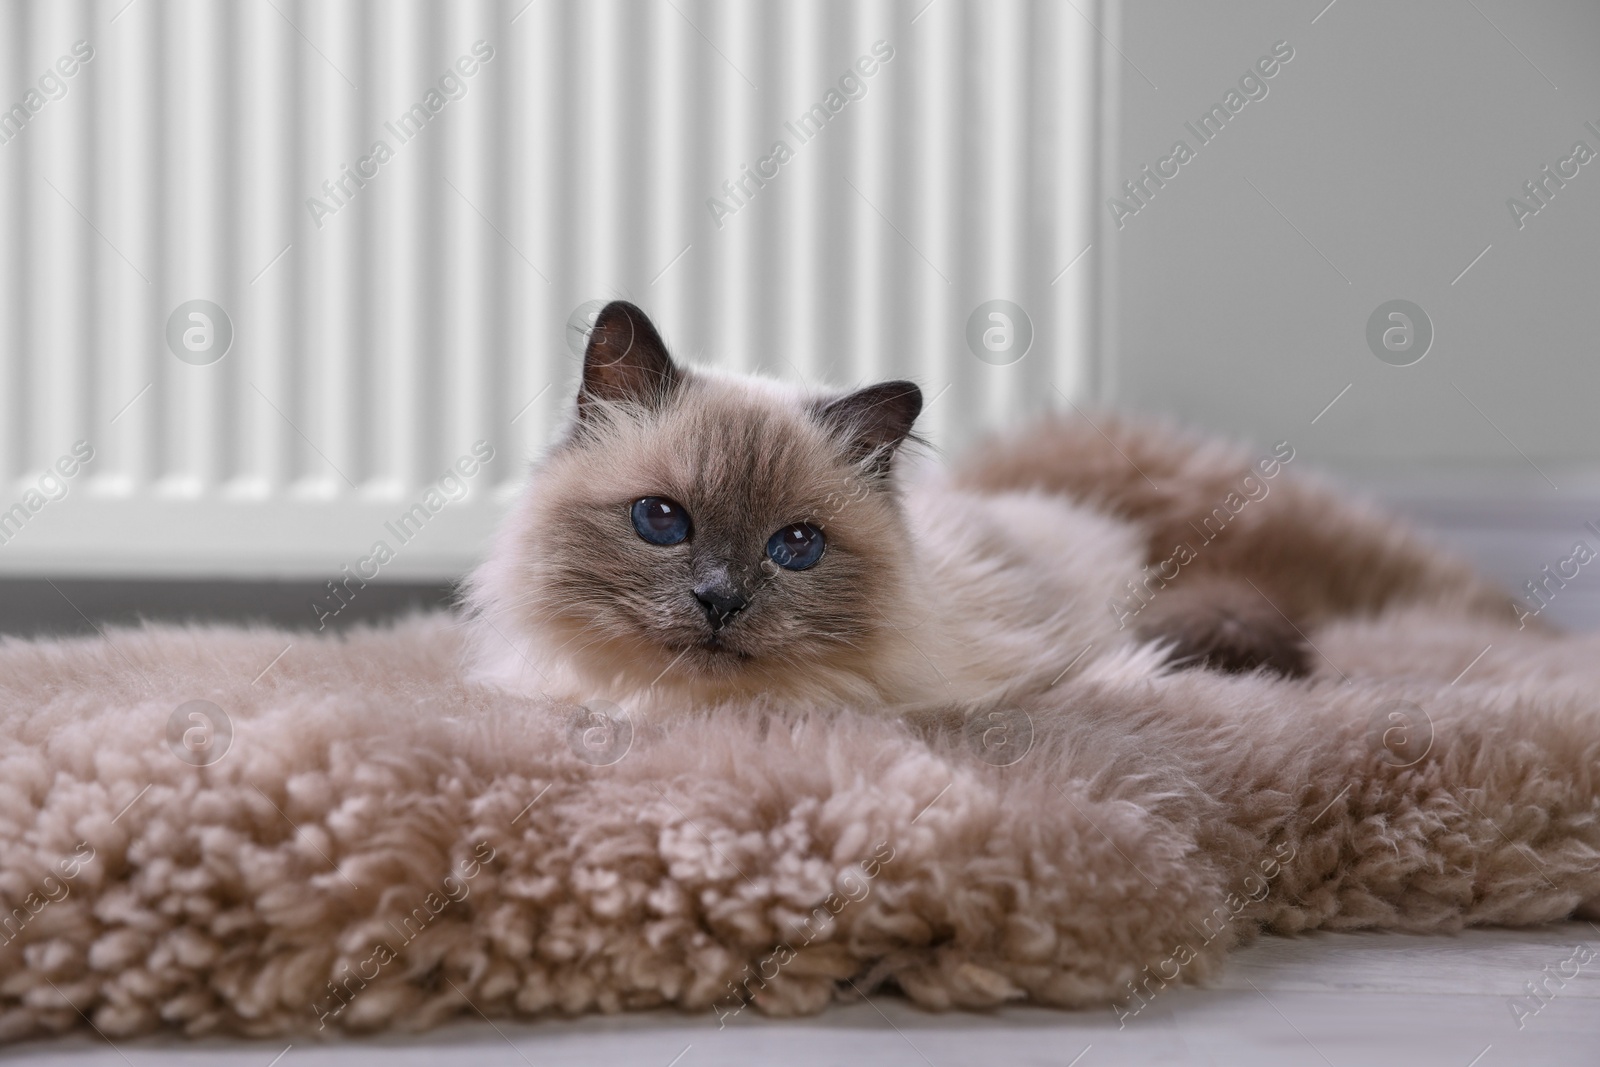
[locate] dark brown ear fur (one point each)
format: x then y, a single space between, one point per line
872 422
626 360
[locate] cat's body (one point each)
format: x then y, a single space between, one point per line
951 593
697 538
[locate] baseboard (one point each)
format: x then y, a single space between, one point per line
1513 535
81 606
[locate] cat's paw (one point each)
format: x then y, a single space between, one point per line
1222 626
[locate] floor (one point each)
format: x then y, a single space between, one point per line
1327 1000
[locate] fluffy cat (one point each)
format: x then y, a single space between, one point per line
696 537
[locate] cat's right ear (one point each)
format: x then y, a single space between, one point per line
626 361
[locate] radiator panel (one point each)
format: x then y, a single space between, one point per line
386 314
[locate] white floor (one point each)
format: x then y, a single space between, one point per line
1328 1000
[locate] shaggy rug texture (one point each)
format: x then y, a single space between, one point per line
264 833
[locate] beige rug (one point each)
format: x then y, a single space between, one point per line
267 833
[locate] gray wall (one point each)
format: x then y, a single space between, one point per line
1382 159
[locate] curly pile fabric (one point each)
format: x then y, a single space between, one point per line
346 834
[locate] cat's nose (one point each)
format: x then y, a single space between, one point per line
721 603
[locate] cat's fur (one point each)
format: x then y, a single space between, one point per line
943 590
931 593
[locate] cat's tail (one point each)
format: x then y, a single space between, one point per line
1212 507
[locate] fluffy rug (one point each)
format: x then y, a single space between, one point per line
264 833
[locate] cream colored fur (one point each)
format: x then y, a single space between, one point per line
762 850
988 588
992 597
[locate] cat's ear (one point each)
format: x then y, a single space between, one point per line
872 422
626 361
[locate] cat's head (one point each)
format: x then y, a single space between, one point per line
724 535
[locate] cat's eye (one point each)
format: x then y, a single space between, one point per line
660 521
796 547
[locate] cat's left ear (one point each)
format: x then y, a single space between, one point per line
626 361
872 422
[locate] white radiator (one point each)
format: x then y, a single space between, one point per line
393 308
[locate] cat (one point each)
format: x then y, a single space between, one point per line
695 537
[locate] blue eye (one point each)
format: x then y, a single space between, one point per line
660 521
796 547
